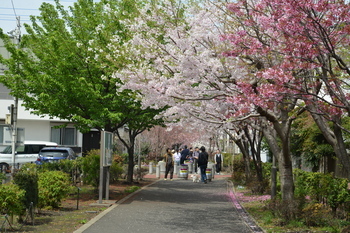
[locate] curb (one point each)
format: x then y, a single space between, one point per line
103 213
249 221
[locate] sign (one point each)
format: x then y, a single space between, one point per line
106 156
8 119
107 148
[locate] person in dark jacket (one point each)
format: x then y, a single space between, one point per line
202 163
218 159
184 153
195 159
169 164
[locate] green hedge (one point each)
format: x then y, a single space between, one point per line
53 187
321 188
91 168
11 199
27 179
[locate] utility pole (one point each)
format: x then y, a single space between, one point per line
16 34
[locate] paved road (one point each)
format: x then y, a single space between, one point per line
174 206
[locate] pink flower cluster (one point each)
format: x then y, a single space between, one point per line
293 41
249 198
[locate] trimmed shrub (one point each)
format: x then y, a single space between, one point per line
27 179
228 160
11 199
53 187
91 168
71 167
238 174
116 171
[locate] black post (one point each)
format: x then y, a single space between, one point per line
78 198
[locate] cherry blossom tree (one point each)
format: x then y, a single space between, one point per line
184 68
160 138
304 46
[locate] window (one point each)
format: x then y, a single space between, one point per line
6 135
64 136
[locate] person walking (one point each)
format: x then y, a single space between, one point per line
195 158
184 153
177 157
169 164
203 163
219 160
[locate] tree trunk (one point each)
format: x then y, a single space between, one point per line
286 177
130 145
281 151
130 164
245 152
342 168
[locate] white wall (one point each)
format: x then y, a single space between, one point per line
35 130
22 113
35 127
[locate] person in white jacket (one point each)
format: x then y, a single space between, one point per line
219 160
177 157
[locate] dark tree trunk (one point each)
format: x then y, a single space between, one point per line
130 164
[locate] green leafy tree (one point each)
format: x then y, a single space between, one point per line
64 68
309 144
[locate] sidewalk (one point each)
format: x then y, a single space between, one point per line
173 206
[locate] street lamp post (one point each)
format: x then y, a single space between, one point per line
17 36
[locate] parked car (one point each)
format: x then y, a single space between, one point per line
25 153
55 154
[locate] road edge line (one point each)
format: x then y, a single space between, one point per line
244 215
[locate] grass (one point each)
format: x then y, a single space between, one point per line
131 189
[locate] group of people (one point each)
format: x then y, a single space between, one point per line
199 157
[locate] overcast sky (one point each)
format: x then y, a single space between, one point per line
9 9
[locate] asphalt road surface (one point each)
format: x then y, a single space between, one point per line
173 206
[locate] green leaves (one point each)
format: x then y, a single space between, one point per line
322 188
11 197
53 187
61 68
